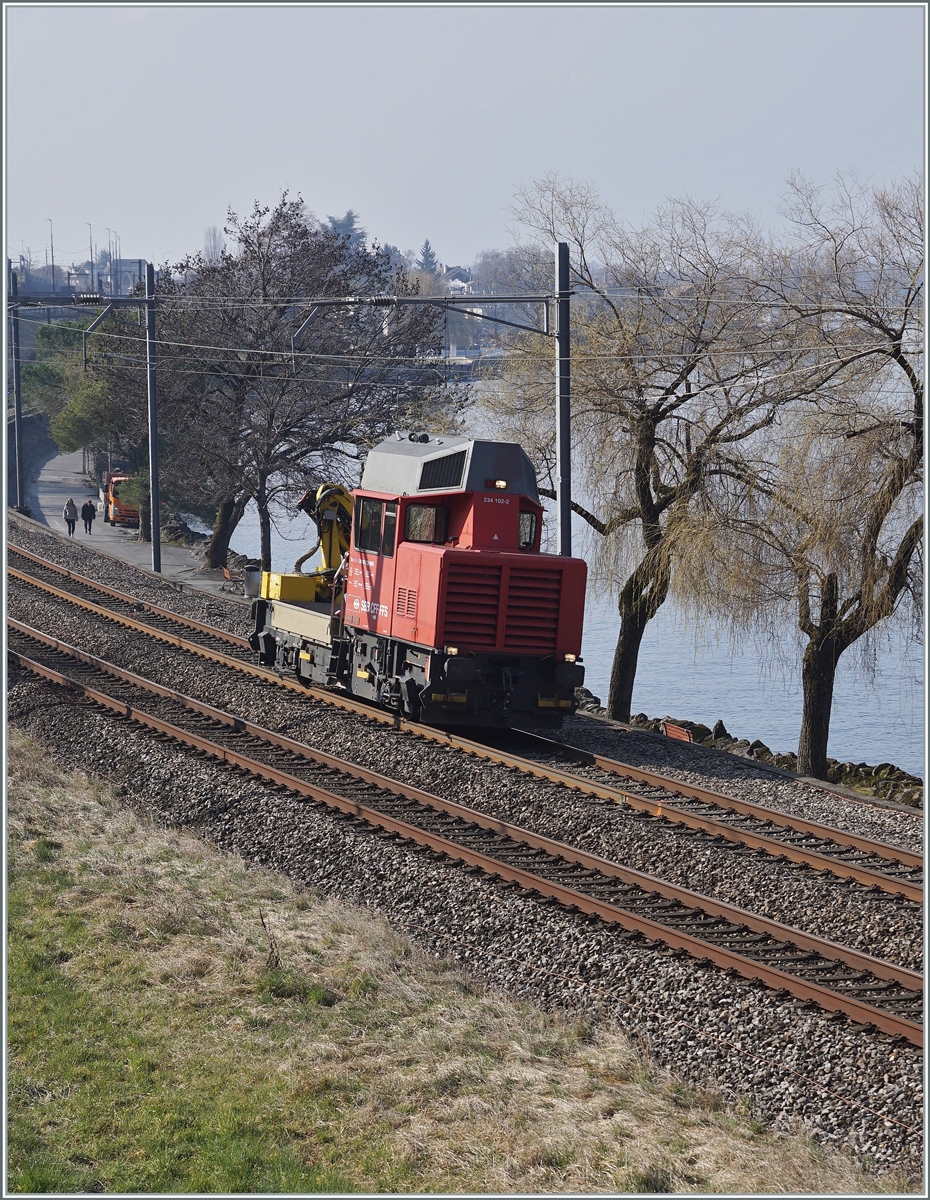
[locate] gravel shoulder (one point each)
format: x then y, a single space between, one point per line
735 776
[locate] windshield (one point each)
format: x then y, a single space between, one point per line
426 523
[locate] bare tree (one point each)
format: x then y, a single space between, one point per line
264 419
245 416
824 520
677 358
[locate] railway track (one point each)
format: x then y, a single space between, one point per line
785 837
128 610
868 991
755 825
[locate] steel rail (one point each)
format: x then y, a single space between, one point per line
159 634
755 841
613 766
233 638
863 875
570 898
902 975
656 808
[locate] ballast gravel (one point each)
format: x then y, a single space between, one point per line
745 780
874 922
100 567
697 765
848 1087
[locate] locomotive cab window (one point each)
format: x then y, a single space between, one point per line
390 529
426 523
527 530
368 524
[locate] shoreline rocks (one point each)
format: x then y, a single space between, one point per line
884 781
177 532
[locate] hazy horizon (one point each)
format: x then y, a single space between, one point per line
153 120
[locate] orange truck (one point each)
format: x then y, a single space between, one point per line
115 510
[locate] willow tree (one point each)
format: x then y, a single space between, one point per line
678 357
822 523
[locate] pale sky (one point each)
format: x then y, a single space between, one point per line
153 119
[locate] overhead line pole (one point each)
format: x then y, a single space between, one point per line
562 335
153 415
562 297
563 412
51 234
108 305
17 396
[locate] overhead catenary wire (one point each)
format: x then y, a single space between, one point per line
287 301
851 348
604 294
346 384
438 366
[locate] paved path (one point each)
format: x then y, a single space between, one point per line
62 477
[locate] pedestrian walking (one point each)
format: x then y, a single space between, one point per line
69 512
88 512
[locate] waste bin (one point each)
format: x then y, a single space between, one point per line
252 582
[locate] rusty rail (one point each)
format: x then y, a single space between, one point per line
864 875
614 766
697 947
124 597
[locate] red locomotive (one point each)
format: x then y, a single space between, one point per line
442 607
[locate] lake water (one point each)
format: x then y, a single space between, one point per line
703 676
707 678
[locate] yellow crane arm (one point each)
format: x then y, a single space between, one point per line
330 509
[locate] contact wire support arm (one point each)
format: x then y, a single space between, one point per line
90 329
310 317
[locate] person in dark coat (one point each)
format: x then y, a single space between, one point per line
88 512
69 512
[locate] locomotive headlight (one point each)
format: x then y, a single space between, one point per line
451 651
569 657
500 483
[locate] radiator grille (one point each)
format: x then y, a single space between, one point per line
533 602
406 603
472 602
445 472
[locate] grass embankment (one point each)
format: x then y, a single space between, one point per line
179 1023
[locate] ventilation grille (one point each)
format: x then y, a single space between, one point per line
406 603
533 602
472 602
445 472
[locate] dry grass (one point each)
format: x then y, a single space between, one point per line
364 1063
